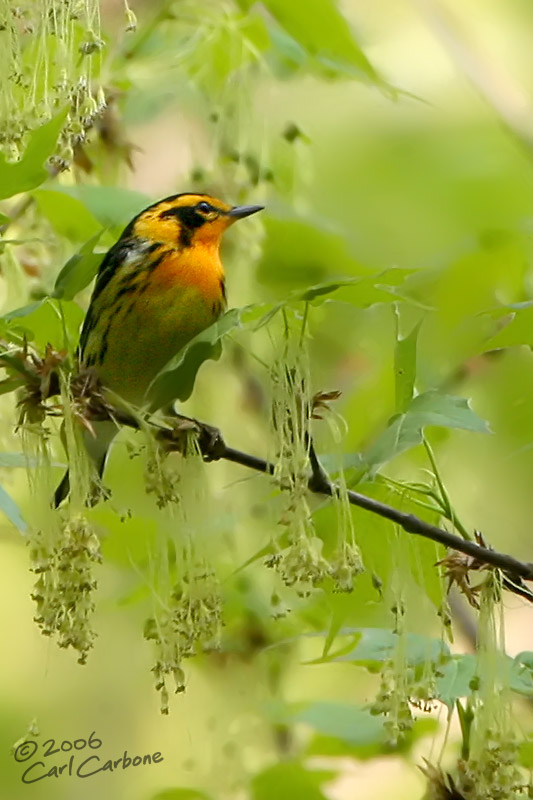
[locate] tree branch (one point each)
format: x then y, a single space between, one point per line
214 448
91 403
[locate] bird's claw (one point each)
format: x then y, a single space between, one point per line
210 442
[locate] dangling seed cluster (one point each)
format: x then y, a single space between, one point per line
191 622
392 701
491 771
161 479
494 775
49 59
301 563
187 617
65 582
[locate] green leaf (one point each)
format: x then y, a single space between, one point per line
446 411
176 380
403 433
30 172
454 679
55 322
515 327
320 28
11 385
289 780
374 646
405 368
354 725
361 292
23 311
377 645
112 206
406 430
521 677
68 216
79 270
12 511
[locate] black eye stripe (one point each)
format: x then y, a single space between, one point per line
186 214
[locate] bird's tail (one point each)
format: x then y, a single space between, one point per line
97 449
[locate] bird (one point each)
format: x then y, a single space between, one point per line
160 285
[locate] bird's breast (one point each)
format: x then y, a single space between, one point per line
197 267
174 299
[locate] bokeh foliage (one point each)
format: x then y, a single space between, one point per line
398 226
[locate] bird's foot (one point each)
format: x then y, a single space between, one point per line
209 439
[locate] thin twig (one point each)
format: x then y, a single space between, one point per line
319 483
40 375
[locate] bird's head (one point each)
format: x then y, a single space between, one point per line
186 220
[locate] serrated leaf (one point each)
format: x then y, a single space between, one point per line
403 433
446 411
30 172
406 430
79 270
12 511
176 380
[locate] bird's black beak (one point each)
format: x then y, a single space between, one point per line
238 212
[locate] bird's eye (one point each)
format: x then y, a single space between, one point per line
204 207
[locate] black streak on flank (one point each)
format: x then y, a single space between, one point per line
103 348
111 264
157 261
223 289
190 221
128 288
88 325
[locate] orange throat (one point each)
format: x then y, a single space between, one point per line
198 267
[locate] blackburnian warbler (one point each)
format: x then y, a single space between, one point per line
157 288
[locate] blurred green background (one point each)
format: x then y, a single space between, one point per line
397 150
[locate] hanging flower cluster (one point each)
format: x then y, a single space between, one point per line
187 601
298 553
50 53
